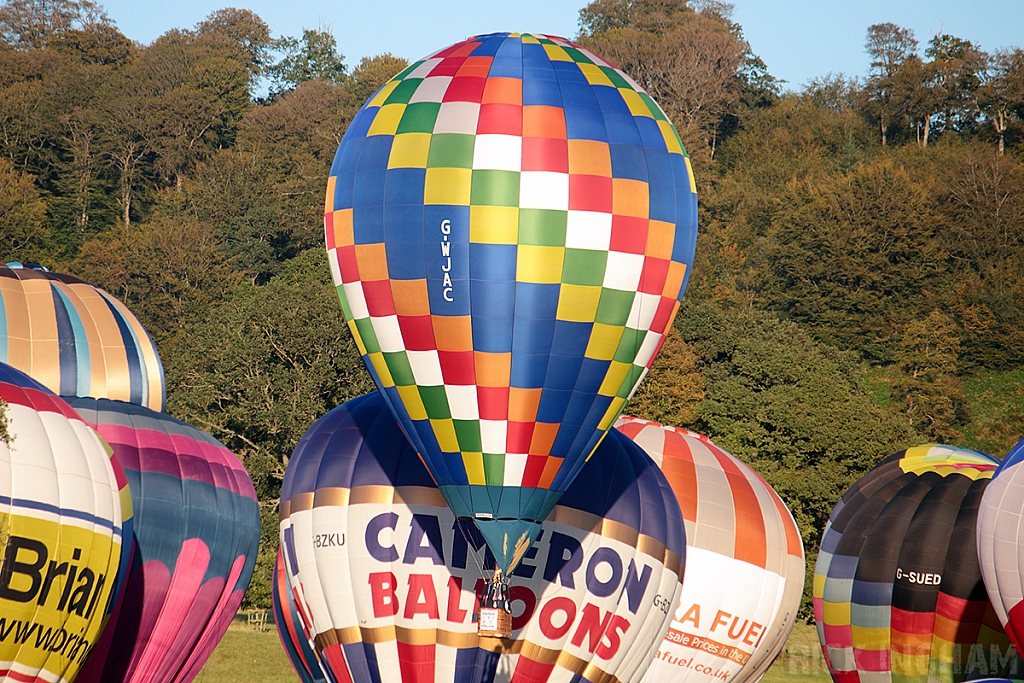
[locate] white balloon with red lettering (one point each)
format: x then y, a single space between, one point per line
744 562
388 580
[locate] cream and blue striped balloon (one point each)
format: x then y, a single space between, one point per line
76 339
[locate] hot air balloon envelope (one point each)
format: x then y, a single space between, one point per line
999 538
744 561
292 630
390 578
510 223
196 535
60 534
76 339
897 587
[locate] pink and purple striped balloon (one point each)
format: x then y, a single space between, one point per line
197 529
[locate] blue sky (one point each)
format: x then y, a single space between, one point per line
798 39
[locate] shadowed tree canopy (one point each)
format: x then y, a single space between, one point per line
167 271
263 365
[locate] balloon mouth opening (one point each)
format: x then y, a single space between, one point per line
494 619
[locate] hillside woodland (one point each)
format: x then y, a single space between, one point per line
859 279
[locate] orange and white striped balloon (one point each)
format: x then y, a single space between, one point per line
744 562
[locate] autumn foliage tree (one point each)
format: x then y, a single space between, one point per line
689 61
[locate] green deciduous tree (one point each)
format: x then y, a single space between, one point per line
794 409
1001 95
956 72
980 197
313 57
168 271
263 365
23 230
371 73
889 46
690 62
34 23
673 389
853 256
244 33
929 391
796 140
259 369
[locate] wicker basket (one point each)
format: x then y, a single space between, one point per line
494 622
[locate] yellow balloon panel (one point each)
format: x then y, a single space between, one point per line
55 582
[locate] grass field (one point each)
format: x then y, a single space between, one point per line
801 660
246 656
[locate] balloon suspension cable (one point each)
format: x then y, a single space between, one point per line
478 561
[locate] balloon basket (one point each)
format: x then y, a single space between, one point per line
494 622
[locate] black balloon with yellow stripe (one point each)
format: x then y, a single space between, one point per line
897 587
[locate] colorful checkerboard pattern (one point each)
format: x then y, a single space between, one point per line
510 224
898 592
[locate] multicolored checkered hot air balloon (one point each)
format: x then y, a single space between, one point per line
510 223
391 581
75 338
744 562
898 593
1000 541
197 529
60 534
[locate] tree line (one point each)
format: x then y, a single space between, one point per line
860 250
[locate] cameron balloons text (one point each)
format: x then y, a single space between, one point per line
389 578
